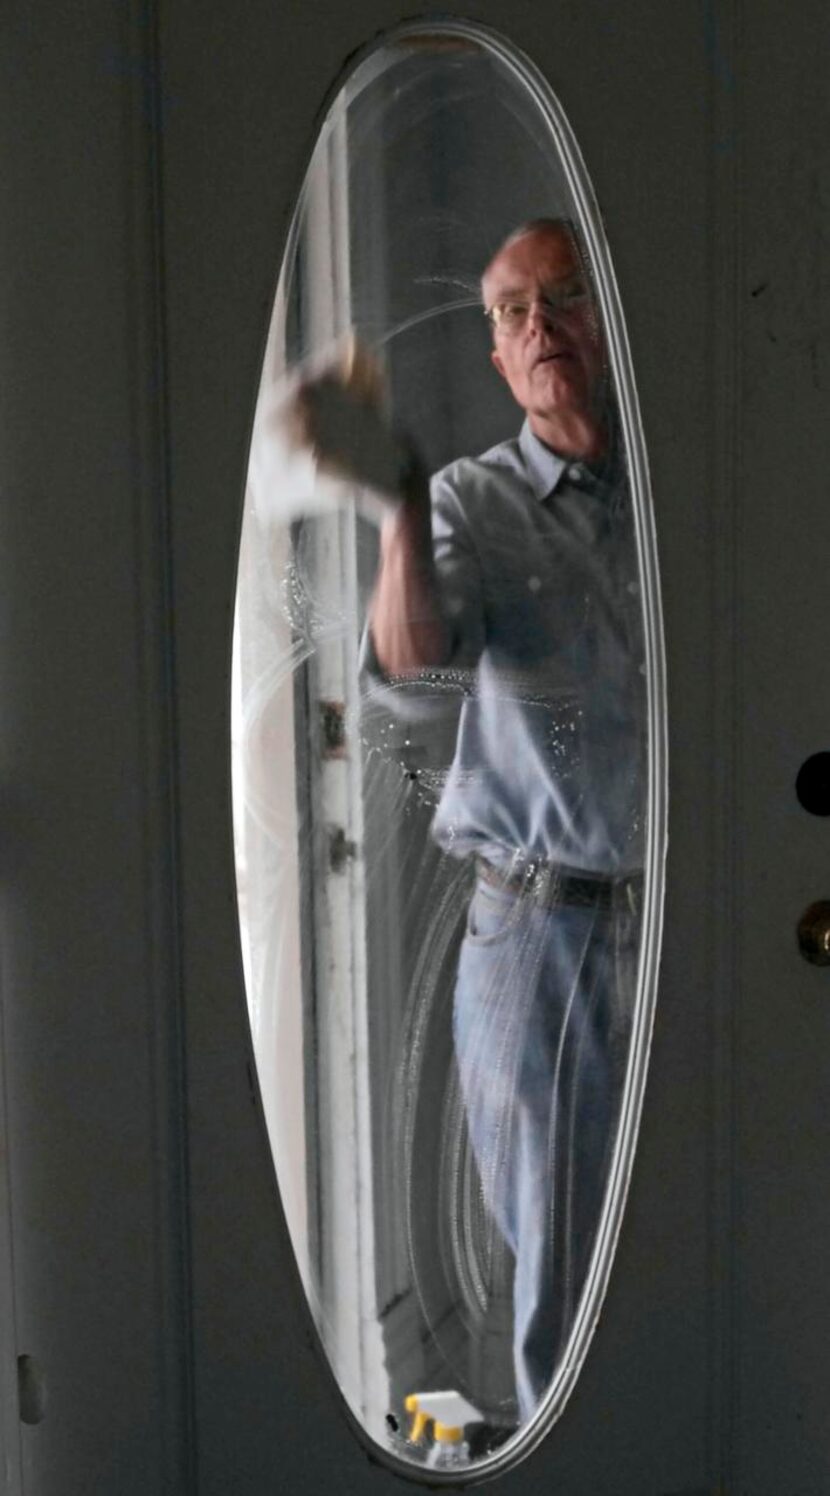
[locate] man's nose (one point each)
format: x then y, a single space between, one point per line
541 314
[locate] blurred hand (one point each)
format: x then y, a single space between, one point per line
338 417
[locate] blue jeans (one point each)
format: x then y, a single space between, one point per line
536 1022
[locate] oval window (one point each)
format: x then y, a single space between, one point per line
448 750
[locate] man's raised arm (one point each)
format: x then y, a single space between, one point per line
408 629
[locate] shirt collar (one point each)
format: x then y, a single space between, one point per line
544 467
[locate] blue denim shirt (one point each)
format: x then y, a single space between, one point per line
537 565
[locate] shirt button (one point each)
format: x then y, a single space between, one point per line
633 588
575 473
642 668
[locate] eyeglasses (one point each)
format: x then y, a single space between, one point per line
510 317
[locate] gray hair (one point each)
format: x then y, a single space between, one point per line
538 226
535 226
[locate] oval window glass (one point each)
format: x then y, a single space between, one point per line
448 756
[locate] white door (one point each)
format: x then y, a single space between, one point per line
154 1286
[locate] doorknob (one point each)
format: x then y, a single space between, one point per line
814 933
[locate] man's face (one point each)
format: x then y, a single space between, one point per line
547 344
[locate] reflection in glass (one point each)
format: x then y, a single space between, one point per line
446 774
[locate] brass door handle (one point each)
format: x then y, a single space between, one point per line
814 933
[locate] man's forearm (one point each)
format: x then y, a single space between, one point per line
408 629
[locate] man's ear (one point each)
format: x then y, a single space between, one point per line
497 362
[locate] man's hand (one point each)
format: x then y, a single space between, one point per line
338 417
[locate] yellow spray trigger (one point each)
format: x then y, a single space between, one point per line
448 1411
420 1420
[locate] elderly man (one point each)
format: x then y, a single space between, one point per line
513 577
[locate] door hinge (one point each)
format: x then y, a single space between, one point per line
333 728
341 849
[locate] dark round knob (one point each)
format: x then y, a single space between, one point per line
812 785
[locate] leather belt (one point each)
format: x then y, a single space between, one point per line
552 886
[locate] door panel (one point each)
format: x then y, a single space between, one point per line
91 1117
643 1416
782 677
